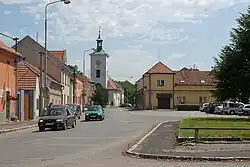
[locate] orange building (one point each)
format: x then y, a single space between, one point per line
8 58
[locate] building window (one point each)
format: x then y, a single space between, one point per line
98 73
203 99
160 83
181 100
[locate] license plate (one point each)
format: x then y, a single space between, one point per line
49 124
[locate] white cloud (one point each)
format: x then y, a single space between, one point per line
129 64
129 18
7 12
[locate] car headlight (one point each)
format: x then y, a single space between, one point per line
59 120
40 120
87 114
99 113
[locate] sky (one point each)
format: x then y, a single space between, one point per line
136 33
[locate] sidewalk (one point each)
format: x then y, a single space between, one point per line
161 144
15 126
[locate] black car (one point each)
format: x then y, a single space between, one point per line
57 117
76 109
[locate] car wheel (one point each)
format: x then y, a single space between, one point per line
74 124
79 117
41 129
65 126
232 112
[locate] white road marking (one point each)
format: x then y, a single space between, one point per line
148 134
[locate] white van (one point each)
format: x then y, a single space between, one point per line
231 107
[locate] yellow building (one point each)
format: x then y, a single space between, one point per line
162 88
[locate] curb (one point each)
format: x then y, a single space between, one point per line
132 153
184 158
17 129
148 134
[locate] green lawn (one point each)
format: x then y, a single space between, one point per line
215 122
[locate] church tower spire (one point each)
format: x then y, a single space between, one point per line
99 41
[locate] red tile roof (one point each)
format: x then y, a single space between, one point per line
159 68
8 49
193 77
85 80
59 54
26 77
111 85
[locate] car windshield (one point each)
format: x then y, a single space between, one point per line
54 112
95 108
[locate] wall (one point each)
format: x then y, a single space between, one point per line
65 80
192 93
36 99
79 88
139 84
7 82
115 97
55 94
103 67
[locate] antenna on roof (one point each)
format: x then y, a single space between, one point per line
37 37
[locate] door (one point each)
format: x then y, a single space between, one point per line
163 102
26 107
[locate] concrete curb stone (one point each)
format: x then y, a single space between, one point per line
184 158
132 153
17 129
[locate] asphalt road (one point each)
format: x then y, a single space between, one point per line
92 144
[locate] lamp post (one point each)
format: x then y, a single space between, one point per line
16 68
45 38
84 70
84 59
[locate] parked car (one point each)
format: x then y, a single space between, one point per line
211 108
231 107
218 109
94 113
76 109
57 117
244 110
203 107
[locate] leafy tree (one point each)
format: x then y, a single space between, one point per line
129 91
100 95
232 67
78 72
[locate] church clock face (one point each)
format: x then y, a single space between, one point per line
98 62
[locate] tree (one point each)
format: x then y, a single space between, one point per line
232 67
78 72
100 95
129 91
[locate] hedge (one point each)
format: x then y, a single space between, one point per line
187 107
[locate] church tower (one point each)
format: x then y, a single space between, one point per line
98 66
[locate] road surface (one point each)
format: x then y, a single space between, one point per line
91 144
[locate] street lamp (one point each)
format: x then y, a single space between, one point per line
83 69
16 68
45 38
84 59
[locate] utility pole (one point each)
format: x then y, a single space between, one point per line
41 84
74 84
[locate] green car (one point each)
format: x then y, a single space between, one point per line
94 113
